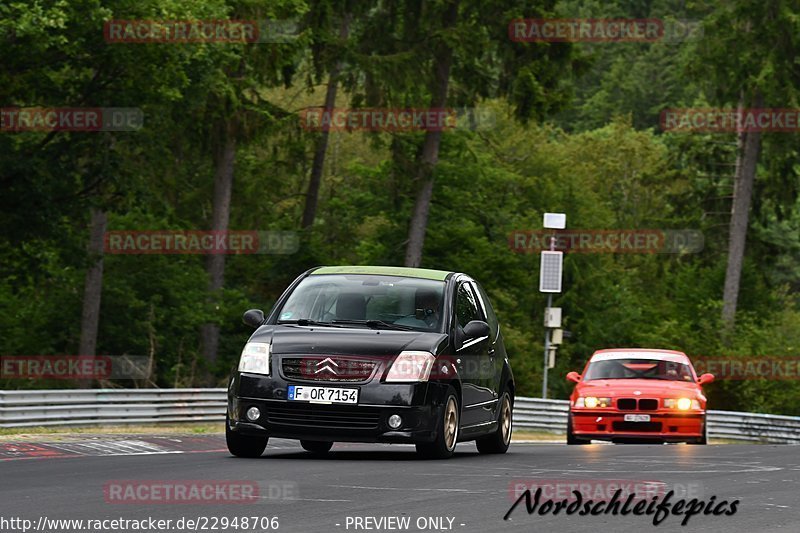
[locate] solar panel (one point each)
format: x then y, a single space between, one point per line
550 271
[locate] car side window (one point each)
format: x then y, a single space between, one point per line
466 305
491 318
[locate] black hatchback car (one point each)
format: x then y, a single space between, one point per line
374 354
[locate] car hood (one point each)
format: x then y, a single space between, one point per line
346 341
628 387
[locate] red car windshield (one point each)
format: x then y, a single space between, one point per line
638 369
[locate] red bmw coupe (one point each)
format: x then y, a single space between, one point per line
639 395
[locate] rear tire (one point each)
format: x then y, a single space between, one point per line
244 445
499 441
571 438
446 430
317 447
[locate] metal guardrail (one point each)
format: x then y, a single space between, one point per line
87 407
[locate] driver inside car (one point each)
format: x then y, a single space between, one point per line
426 313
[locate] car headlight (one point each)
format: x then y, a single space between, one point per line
255 358
411 366
682 404
592 401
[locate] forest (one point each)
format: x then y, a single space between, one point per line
224 134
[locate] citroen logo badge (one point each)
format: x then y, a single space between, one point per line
325 364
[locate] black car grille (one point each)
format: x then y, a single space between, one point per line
653 427
322 416
626 404
648 405
630 404
321 368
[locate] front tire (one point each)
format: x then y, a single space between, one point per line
571 438
499 441
446 430
244 445
317 447
704 439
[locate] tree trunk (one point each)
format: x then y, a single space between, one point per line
312 196
93 288
746 161
443 59
223 184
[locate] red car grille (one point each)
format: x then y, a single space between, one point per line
626 404
648 405
631 404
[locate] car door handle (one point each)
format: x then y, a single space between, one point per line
491 352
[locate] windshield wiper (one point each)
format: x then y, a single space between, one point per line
308 322
374 324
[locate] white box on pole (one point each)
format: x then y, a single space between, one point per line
552 317
555 220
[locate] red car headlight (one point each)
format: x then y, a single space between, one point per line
681 404
592 402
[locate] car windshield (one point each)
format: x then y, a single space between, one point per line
638 369
363 300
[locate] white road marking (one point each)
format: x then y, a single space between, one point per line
405 489
315 500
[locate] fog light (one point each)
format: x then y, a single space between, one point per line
253 414
395 421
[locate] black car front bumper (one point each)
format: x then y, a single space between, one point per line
419 405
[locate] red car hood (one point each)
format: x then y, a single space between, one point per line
647 387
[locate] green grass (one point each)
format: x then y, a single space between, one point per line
198 428
528 434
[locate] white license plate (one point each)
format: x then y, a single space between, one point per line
304 393
637 418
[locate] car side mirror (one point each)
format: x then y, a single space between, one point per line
253 317
476 329
574 377
705 379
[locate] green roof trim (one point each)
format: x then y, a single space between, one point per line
424 273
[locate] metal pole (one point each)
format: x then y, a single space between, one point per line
546 351
547 330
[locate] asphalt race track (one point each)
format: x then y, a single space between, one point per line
66 478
